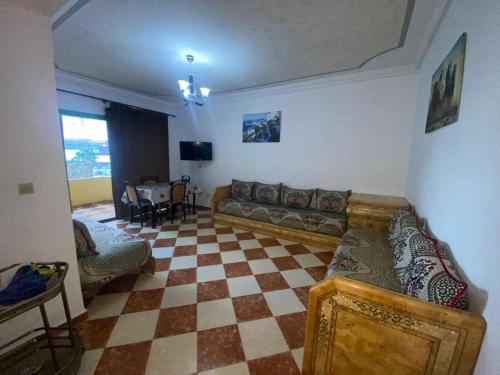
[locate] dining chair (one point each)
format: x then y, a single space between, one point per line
143 206
177 198
149 180
187 179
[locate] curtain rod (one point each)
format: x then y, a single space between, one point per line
110 101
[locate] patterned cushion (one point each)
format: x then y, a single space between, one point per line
329 223
426 271
85 245
331 200
410 244
267 193
434 279
399 221
363 255
241 190
296 198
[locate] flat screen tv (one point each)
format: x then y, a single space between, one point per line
196 150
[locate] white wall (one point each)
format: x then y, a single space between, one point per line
454 177
352 132
32 227
79 103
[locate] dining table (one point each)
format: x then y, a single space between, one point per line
160 192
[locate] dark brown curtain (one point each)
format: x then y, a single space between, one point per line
138 146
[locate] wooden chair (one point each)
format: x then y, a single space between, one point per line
177 198
149 180
143 206
187 179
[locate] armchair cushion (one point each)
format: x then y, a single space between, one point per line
85 245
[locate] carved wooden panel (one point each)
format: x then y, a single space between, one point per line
373 211
355 328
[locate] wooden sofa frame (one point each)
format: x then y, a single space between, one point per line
297 235
363 211
357 328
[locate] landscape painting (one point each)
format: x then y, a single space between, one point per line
444 103
262 127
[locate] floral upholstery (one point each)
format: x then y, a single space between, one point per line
399 221
364 255
296 198
332 201
426 270
119 253
242 190
310 220
267 193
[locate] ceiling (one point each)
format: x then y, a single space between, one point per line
141 44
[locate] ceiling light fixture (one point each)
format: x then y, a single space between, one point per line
188 89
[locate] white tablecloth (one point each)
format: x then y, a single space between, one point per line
158 193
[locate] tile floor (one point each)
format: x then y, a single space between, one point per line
222 301
97 211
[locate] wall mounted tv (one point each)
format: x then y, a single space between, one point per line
196 150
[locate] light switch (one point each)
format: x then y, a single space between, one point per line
26 188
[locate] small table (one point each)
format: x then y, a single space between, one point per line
159 193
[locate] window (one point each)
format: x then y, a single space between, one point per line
85 145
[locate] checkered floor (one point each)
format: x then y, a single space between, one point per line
97 211
222 301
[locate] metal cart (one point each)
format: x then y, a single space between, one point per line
44 350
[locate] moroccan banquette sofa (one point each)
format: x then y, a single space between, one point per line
392 303
312 216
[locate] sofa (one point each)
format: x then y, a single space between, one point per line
394 302
105 253
313 216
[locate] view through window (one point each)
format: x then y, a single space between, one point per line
86 147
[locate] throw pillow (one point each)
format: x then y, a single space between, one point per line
430 274
399 221
241 190
85 245
267 193
296 198
332 201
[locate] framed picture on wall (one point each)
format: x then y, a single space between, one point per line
446 89
262 127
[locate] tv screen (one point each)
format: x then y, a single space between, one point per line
196 150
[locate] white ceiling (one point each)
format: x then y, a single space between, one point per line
141 44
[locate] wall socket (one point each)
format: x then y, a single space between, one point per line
26 188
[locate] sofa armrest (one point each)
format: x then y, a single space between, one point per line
220 193
356 328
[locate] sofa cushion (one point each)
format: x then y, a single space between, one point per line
431 274
437 281
296 198
332 201
267 193
242 190
328 223
399 221
364 255
85 245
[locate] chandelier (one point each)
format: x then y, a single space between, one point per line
188 89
